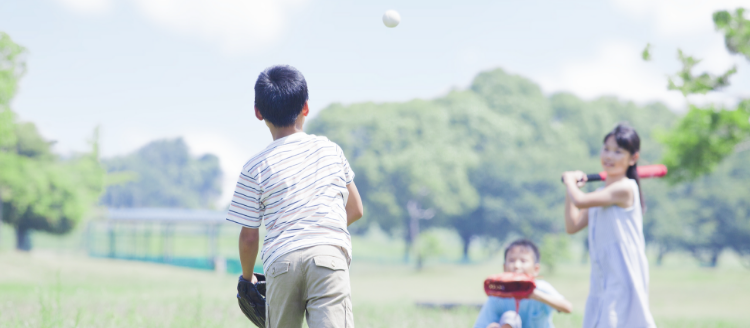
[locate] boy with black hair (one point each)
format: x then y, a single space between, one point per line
302 188
522 256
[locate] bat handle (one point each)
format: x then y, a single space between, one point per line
589 177
594 177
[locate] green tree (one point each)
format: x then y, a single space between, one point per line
38 190
12 67
707 215
401 153
706 136
164 174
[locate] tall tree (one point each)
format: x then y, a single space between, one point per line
401 153
38 190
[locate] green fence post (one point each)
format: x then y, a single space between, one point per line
112 240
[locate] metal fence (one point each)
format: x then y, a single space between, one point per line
199 239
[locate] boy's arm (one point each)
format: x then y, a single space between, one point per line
249 241
354 209
556 302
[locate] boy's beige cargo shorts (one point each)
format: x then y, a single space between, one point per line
311 282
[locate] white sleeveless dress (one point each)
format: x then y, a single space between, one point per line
618 291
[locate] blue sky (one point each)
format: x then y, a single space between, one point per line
149 69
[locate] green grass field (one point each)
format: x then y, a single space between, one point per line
54 289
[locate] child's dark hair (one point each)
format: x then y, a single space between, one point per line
628 139
524 243
280 94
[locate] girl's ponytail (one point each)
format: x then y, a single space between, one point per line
632 173
629 140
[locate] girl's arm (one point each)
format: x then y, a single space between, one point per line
556 302
575 219
615 194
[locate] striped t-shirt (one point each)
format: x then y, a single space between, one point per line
297 187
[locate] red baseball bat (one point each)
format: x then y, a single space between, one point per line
644 172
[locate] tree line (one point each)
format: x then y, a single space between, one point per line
484 161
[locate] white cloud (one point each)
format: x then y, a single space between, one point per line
237 26
88 7
615 69
678 17
714 57
691 22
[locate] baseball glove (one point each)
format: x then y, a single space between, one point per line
510 284
252 299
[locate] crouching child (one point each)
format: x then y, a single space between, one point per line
522 256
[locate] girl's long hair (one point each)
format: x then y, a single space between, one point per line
629 140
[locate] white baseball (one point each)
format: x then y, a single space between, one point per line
391 18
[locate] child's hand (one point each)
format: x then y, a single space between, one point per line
577 177
253 279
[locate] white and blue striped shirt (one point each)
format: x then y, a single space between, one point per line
297 187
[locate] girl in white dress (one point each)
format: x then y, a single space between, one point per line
618 292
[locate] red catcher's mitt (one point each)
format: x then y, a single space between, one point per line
510 284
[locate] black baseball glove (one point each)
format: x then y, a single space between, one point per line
252 299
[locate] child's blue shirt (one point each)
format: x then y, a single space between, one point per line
534 314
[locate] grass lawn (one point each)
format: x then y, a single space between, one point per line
54 289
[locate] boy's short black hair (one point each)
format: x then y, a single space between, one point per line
280 94
524 243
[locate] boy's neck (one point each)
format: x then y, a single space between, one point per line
285 131
281 132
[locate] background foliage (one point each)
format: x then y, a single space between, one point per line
707 135
163 174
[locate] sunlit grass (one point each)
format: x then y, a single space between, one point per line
44 289
59 286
